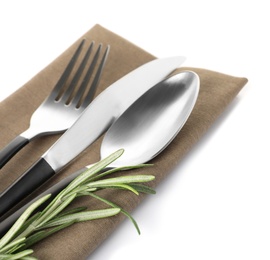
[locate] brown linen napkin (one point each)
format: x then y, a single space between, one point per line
77 242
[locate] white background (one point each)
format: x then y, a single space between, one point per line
222 188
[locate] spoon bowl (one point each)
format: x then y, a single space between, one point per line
152 122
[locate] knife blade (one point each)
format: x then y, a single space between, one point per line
92 123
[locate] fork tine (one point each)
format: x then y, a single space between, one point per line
68 93
86 79
93 87
90 95
66 73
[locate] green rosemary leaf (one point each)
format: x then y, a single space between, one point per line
120 186
15 248
46 216
12 244
71 211
83 216
123 179
116 206
143 188
43 234
93 170
29 221
19 255
62 206
21 220
53 205
35 238
114 170
81 189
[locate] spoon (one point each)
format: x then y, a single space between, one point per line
152 122
143 130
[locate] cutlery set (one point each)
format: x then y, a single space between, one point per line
142 113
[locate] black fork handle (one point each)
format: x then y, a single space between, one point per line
11 149
33 178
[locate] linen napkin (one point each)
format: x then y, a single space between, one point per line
78 241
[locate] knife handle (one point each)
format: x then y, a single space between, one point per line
34 177
54 190
11 149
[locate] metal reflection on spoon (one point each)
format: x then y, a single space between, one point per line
152 121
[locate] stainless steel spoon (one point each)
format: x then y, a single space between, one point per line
143 130
151 123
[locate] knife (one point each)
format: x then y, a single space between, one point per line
92 123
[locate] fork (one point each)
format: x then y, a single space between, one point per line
65 103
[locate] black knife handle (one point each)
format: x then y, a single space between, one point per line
40 172
11 149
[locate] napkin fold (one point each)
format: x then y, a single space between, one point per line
80 240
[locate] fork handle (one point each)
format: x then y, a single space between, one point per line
11 149
40 172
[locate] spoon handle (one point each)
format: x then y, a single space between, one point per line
54 190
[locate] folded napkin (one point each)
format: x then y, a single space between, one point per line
78 241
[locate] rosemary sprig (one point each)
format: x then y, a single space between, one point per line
29 228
